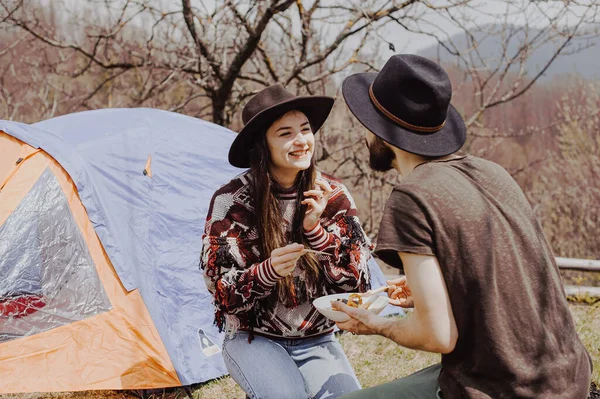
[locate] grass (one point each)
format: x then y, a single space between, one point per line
587 319
578 277
375 359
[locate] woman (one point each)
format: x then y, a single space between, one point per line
255 254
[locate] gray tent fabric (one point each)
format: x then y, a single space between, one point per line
151 224
44 256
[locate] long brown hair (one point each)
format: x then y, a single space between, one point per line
268 214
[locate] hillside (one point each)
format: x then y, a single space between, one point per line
581 56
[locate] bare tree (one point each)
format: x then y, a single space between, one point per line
222 54
225 52
516 33
206 58
483 81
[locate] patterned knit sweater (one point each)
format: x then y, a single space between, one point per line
242 279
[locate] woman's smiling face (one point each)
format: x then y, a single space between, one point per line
291 144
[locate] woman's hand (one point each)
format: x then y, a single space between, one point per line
316 199
399 293
284 259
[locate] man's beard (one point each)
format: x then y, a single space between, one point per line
380 156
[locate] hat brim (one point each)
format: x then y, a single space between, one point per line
316 109
445 141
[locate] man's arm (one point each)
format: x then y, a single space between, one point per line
431 326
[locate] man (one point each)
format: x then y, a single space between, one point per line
484 284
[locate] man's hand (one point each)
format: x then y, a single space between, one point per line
362 321
430 327
399 293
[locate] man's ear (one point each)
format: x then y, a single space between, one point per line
370 138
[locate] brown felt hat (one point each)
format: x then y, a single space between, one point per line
265 108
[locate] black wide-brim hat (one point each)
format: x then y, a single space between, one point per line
265 108
407 104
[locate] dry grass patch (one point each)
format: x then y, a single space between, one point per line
375 359
587 319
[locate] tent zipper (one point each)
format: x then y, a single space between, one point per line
18 164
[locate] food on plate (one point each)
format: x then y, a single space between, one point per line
373 303
354 300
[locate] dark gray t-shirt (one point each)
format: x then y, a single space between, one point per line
516 335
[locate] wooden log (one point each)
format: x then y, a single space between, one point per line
582 290
578 264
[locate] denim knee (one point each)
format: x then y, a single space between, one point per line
254 376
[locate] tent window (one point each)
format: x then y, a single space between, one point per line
47 276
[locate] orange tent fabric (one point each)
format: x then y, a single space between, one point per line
117 349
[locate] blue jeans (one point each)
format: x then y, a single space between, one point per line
289 368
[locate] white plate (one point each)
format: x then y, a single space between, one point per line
323 305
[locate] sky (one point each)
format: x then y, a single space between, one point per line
481 12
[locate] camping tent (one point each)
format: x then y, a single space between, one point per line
101 218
